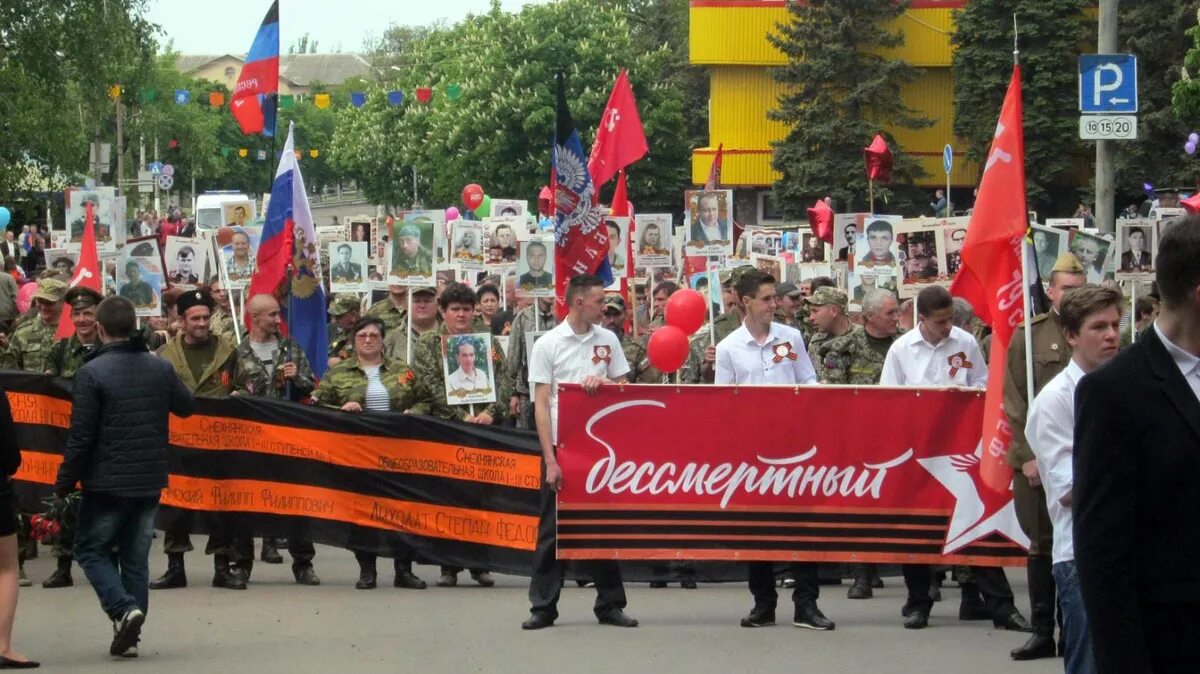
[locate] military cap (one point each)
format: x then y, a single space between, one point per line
143 249
409 229
194 298
50 290
786 288
342 304
80 297
1067 262
732 276
827 295
423 290
614 302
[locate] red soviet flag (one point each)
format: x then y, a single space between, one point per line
714 170
991 277
620 139
87 272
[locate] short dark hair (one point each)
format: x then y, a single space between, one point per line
581 284
750 282
702 282
368 321
1143 307
933 298
1079 303
669 287
534 244
1129 231
456 293
345 246
1178 271
820 282
117 316
880 226
485 289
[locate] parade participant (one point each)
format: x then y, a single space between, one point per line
789 302
457 303
30 344
936 353
1051 353
66 357
578 351
10 461
702 357
273 367
366 381
1134 500
221 322
856 359
1091 318
393 309
525 323
488 297
425 319
207 365
344 310
117 447
827 312
763 352
614 316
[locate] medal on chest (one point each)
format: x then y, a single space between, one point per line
783 352
601 353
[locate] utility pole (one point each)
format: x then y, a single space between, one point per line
1105 173
157 208
119 182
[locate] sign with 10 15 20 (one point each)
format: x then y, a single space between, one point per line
1108 127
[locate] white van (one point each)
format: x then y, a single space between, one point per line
209 208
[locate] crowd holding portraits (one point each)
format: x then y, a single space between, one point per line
535 267
140 276
238 254
468 369
1092 252
467 236
1137 246
186 261
1048 244
411 253
710 222
348 265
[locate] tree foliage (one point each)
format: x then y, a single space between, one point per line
1051 33
839 93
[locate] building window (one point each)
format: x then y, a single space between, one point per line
230 71
766 208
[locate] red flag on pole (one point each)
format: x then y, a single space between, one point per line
714 171
879 160
820 220
620 139
991 277
1191 204
87 272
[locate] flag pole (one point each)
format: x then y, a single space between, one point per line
1027 310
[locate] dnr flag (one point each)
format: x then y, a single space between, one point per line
253 101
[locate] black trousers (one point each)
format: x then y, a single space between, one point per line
546 583
1172 636
990 581
762 584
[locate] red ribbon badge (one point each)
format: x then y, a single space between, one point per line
958 362
784 351
601 353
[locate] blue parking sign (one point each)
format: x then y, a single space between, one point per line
1108 83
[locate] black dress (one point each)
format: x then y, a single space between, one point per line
10 461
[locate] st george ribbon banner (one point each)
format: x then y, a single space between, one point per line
781 474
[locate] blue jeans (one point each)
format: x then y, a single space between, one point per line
126 524
1078 658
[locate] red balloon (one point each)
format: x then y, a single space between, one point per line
25 296
667 349
686 310
472 196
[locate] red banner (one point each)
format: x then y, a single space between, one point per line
779 473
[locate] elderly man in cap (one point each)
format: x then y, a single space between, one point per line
206 365
30 344
614 315
425 319
827 311
788 302
1051 355
344 312
410 257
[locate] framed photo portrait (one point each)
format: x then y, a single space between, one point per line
535 267
1092 252
348 266
618 245
410 255
1137 248
654 245
467 237
239 249
186 260
710 222
1048 244
140 277
468 368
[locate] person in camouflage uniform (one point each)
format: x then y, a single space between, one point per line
221 322
425 319
346 387
344 310
525 323
807 289
788 303
700 367
65 358
393 309
827 311
641 371
457 303
206 365
273 367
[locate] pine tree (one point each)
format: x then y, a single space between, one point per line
1051 33
839 94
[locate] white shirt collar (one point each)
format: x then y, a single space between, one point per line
1186 362
773 335
920 341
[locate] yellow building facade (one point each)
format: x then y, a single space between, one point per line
729 38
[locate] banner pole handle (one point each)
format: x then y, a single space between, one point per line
1026 311
408 335
712 329
1133 311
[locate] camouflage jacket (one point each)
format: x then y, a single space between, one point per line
341 342
818 339
517 364
216 381
849 360
346 382
66 356
431 381
694 370
221 325
393 317
420 264
395 345
29 347
252 378
640 369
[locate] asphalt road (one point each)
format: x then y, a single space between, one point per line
277 626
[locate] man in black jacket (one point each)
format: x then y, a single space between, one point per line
117 448
1135 501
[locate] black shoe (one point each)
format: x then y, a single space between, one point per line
407 580
810 617
687 584
973 610
174 577
7 663
1039 646
537 621
935 592
61 576
483 579
916 620
270 554
306 576
860 589
658 584
126 631
759 617
876 581
617 618
1013 622
228 580
447 580
366 581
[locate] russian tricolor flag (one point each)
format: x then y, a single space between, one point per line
259 79
289 238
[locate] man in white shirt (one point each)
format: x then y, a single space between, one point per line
763 352
467 377
578 351
936 353
1091 317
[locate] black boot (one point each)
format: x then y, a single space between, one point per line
270 551
224 577
405 577
175 575
61 576
1042 603
861 587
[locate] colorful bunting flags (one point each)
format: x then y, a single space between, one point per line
287 101
321 101
114 92
424 94
147 95
314 153
216 98
358 99
225 150
262 155
395 97
183 96
242 152
172 144
453 92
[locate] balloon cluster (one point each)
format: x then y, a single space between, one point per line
1193 141
668 346
476 201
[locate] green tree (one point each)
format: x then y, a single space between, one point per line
1051 33
840 92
